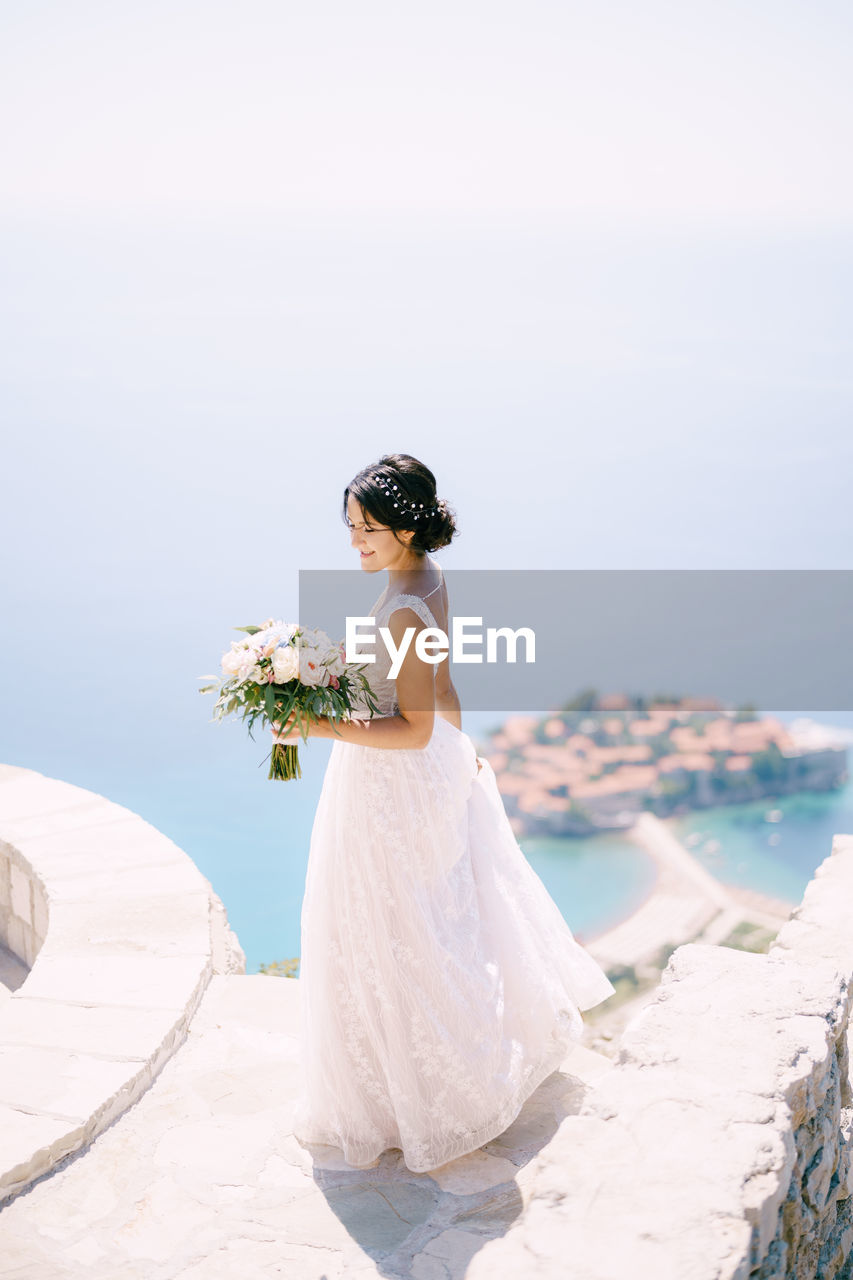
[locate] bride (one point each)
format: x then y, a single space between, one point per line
439 983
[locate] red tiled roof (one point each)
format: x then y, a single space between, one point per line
613 702
689 761
628 751
628 779
646 728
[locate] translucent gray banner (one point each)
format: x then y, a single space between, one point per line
767 638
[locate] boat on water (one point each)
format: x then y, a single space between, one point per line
773 815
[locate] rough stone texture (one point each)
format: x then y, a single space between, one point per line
719 1146
121 935
815 1229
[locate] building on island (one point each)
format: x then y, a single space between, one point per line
578 771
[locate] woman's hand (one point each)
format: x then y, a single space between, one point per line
288 732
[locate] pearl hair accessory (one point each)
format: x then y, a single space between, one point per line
393 491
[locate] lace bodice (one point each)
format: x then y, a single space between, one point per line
383 687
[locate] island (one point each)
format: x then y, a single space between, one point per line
601 760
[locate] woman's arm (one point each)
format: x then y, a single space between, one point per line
448 706
447 702
412 728
381 731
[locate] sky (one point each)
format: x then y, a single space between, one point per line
701 114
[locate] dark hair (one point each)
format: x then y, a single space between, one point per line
435 525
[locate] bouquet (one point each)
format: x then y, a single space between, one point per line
282 668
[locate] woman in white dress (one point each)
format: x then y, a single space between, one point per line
439 983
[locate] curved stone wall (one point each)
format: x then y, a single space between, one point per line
121 933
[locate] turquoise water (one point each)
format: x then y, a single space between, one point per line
778 858
595 882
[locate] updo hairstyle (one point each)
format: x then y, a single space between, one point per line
417 506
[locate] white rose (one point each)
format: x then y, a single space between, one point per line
333 661
285 663
240 653
310 666
249 668
232 661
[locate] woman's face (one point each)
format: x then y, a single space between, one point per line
375 543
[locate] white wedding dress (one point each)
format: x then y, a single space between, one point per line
439 983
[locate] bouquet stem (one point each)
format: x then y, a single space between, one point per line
284 762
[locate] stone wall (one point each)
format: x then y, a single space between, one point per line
814 1230
23 906
718 1147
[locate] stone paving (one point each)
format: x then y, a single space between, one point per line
201 1179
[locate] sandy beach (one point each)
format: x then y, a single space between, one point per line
686 904
684 900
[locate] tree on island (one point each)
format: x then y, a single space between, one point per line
586 700
769 765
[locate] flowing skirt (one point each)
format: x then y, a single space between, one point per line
439 983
